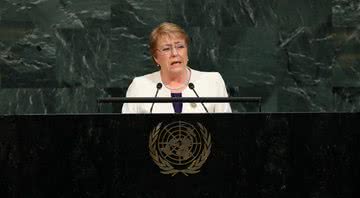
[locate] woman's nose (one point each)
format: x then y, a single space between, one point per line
174 51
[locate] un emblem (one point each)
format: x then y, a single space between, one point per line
179 147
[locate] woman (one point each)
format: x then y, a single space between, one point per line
169 49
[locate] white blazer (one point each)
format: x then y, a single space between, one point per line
207 84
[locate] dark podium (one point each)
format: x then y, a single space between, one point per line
251 155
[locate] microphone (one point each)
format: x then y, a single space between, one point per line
192 87
158 87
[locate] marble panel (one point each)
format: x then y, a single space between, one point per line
54 101
298 56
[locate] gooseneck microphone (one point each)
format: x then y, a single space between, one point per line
158 87
192 87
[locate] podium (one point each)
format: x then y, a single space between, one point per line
248 155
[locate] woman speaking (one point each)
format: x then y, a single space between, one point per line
169 49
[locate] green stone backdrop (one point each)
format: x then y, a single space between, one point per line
59 56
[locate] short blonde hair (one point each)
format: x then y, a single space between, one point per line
166 29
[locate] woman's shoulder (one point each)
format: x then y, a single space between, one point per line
143 85
204 75
148 79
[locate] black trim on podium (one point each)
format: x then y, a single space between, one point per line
182 99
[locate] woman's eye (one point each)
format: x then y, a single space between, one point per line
166 49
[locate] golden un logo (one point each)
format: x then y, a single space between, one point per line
179 147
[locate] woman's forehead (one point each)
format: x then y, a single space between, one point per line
169 39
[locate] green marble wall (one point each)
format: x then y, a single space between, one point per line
59 56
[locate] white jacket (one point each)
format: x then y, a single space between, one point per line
207 84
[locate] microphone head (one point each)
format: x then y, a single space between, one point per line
191 86
158 86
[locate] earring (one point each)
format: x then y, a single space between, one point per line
158 65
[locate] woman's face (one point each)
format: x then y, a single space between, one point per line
171 54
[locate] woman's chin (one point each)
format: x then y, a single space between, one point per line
176 68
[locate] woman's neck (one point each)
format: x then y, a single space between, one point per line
177 82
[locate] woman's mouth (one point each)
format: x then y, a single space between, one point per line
175 63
